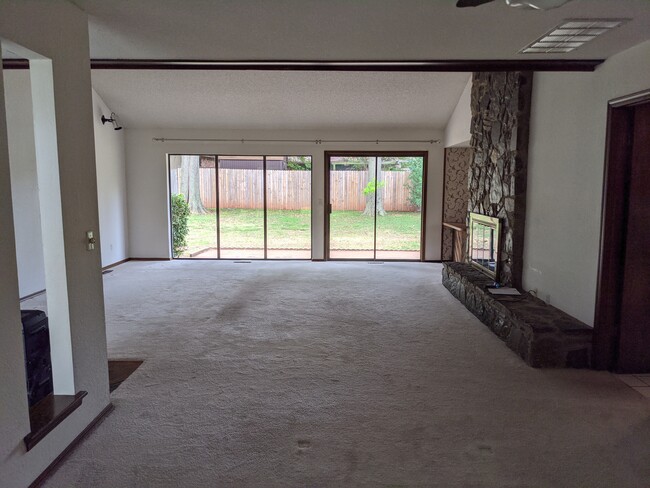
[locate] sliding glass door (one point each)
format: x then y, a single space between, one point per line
193 198
288 207
399 200
376 205
240 207
352 216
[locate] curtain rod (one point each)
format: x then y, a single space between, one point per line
310 141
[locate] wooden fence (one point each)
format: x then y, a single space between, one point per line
346 190
291 190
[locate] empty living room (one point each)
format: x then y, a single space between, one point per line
306 243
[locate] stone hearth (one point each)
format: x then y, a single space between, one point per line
542 335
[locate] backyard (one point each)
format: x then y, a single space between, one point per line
375 201
291 229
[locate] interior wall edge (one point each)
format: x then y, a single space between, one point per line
111 185
58 31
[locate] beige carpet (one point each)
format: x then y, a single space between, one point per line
303 374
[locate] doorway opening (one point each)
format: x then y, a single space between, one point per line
36 203
240 207
621 328
376 203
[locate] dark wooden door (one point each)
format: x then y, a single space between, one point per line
634 329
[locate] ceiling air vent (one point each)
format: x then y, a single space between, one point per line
571 34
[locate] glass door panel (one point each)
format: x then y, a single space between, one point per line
241 207
193 193
288 203
352 213
399 207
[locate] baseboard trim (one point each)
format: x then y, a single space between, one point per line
133 259
388 260
150 259
40 292
116 264
49 471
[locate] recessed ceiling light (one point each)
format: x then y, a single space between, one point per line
571 34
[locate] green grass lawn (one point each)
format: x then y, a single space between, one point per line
291 229
396 231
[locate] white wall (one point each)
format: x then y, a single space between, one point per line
565 177
59 31
111 186
147 177
457 132
22 158
29 179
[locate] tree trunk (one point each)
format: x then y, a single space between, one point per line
194 186
183 179
379 190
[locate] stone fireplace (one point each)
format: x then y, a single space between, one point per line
540 334
497 170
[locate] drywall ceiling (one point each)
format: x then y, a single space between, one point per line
344 29
279 99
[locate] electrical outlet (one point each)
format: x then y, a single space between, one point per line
90 242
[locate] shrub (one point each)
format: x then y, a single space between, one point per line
180 215
414 184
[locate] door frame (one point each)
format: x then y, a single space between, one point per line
326 229
616 182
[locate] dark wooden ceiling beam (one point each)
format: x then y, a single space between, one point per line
409 65
404 66
15 64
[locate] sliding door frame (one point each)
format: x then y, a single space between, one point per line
218 206
328 206
266 216
217 210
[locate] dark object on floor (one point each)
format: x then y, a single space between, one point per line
106 271
38 361
120 370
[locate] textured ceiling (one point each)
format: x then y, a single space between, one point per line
279 99
344 29
318 30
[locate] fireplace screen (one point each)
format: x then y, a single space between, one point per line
484 243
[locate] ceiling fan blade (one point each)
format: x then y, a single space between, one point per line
537 4
471 3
